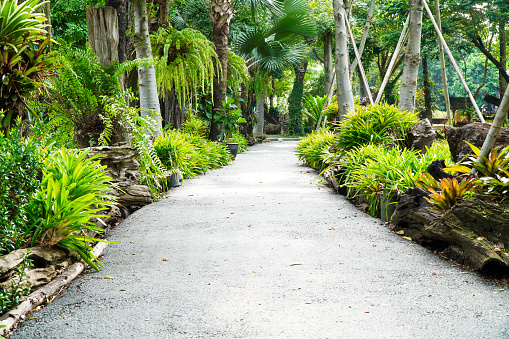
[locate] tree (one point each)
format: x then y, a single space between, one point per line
412 59
149 101
344 87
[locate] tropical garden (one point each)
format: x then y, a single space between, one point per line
179 81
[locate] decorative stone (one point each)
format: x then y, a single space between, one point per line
272 129
421 135
475 134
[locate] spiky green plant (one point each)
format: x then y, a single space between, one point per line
312 148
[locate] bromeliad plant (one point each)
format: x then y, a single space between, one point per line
73 191
493 172
451 192
24 56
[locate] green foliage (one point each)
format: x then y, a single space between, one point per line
229 118
190 153
379 124
493 172
295 125
184 62
68 20
237 72
18 183
25 60
73 191
241 140
373 169
426 181
451 192
10 298
314 106
195 126
314 147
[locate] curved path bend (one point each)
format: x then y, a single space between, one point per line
260 249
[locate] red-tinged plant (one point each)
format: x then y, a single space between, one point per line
451 192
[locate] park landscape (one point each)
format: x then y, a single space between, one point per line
113 110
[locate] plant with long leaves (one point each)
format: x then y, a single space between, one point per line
73 191
493 171
314 106
451 192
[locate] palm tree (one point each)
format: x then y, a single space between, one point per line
221 12
279 44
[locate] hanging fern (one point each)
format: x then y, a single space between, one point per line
183 62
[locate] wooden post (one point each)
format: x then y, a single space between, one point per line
358 58
395 56
442 63
458 71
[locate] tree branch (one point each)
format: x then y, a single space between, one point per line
479 44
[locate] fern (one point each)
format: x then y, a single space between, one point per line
183 62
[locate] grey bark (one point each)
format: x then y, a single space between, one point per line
364 37
344 87
442 66
260 115
412 58
102 26
149 102
328 61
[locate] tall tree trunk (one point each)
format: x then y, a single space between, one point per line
295 126
173 113
344 87
503 57
121 8
426 85
102 26
260 115
364 37
221 13
244 106
412 58
146 75
328 65
46 9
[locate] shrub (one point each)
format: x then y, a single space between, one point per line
314 147
241 140
72 192
18 182
379 124
189 153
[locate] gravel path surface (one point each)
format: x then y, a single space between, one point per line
260 249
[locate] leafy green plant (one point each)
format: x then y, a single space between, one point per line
190 153
426 181
379 124
25 60
73 191
10 298
229 118
313 107
196 126
312 148
451 192
494 170
18 183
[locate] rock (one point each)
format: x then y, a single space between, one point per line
124 169
46 265
120 161
421 135
133 195
435 169
272 129
475 134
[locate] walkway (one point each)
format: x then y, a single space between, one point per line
261 249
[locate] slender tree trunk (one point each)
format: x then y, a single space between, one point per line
503 57
221 13
260 115
480 45
46 9
344 87
328 65
146 76
172 111
295 125
412 58
428 113
442 66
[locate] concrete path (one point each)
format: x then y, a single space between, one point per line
261 249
